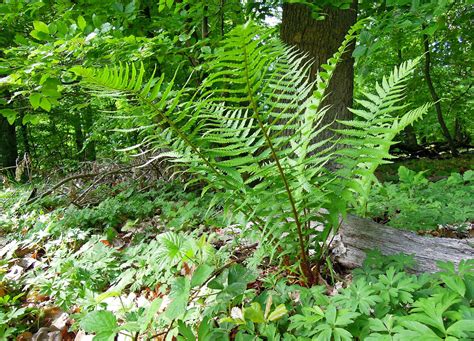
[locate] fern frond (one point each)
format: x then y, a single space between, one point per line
368 140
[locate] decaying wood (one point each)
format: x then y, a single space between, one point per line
358 235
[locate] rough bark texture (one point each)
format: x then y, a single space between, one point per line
321 39
8 148
360 234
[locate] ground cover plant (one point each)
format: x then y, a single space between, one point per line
416 203
149 275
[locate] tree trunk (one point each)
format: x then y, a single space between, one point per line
359 235
410 143
434 95
321 39
24 136
8 147
221 17
205 23
90 144
79 137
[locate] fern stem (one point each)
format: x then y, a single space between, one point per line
305 263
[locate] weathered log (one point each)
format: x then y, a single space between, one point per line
358 235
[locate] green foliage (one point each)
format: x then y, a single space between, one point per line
377 128
393 305
14 317
177 208
416 203
103 323
433 167
240 118
197 291
231 132
396 33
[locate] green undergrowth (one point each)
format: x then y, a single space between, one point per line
126 205
433 167
155 262
416 203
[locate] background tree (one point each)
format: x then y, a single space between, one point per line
8 149
406 29
319 31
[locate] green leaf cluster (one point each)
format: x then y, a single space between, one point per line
415 203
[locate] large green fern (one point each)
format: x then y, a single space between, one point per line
249 133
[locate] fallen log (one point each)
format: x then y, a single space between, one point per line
358 235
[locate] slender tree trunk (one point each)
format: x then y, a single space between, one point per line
78 137
24 136
90 146
321 39
221 17
205 22
410 142
8 147
435 97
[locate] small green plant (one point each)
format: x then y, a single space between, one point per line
14 317
105 326
415 203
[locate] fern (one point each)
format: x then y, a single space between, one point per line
368 140
247 132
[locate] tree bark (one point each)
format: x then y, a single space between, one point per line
359 235
434 95
8 147
321 39
221 17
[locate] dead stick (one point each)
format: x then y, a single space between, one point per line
74 177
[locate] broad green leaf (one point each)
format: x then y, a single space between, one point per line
180 295
185 331
32 118
278 313
81 22
254 313
101 322
201 274
460 328
9 114
35 100
330 314
454 283
41 27
204 328
45 104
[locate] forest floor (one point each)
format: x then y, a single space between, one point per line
98 242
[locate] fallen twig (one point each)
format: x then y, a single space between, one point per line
74 177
